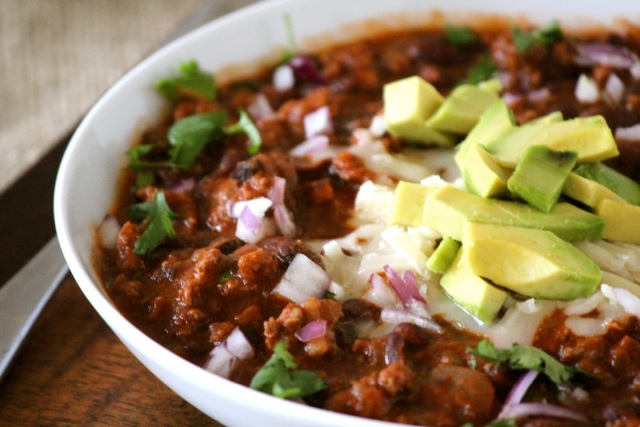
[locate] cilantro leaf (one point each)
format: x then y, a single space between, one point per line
159 215
136 154
192 82
459 36
281 377
483 70
190 135
246 125
524 40
526 357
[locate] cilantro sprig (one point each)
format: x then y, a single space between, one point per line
459 36
191 134
281 377
526 357
246 125
482 70
525 40
192 82
158 215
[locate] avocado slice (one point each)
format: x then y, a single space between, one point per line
408 203
540 176
620 184
443 256
587 191
621 220
590 137
474 294
462 108
555 116
534 263
493 123
483 175
447 209
408 103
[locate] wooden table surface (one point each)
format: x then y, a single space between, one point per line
72 370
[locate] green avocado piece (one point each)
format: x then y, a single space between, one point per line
540 176
590 137
587 191
408 204
534 263
408 103
621 220
447 209
555 116
620 184
443 256
462 109
493 123
483 175
474 294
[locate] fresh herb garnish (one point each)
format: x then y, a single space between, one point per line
459 36
526 357
291 49
190 135
246 125
524 40
159 215
483 70
281 377
192 82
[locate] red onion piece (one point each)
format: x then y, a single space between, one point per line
283 78
303 279
318 122
260 108
184 185
305 69
405 288
312 330
520 410
258 207
590 54
520 389
393 347
614 88
249 227
310 146
395 316
238 345
282 215
512 98
223 358
276 193
381 294
108 231
631 133
539 95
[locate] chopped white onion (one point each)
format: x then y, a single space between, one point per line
318 122
395 316
258 207
282 215
631 133
251 228
590 54
223 358
238 345
260 108
310 146
303 279
380 293
614 88
378 126
587 90
108 231
283 78
626 299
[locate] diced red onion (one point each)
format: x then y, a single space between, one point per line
238 345
590 54
303 279
395 316
250 228
310 146
631 133
318 122
284 221
587 90
629 302
223 358
405 288
260 108
381 294
393 348
258 207
276 193
184 185
520 389
541 410
305 69
312 330
108 231
614 88
378 126
512 98
539 95
635 71
283 78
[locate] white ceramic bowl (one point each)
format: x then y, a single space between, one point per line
86 181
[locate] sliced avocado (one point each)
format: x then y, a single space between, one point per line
493 85
590 137
447 209
555 116
408 103
443 256
483 175
587 192
493 123
540 176
408 204
620 184
462 109
621 221
534 263
477 296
